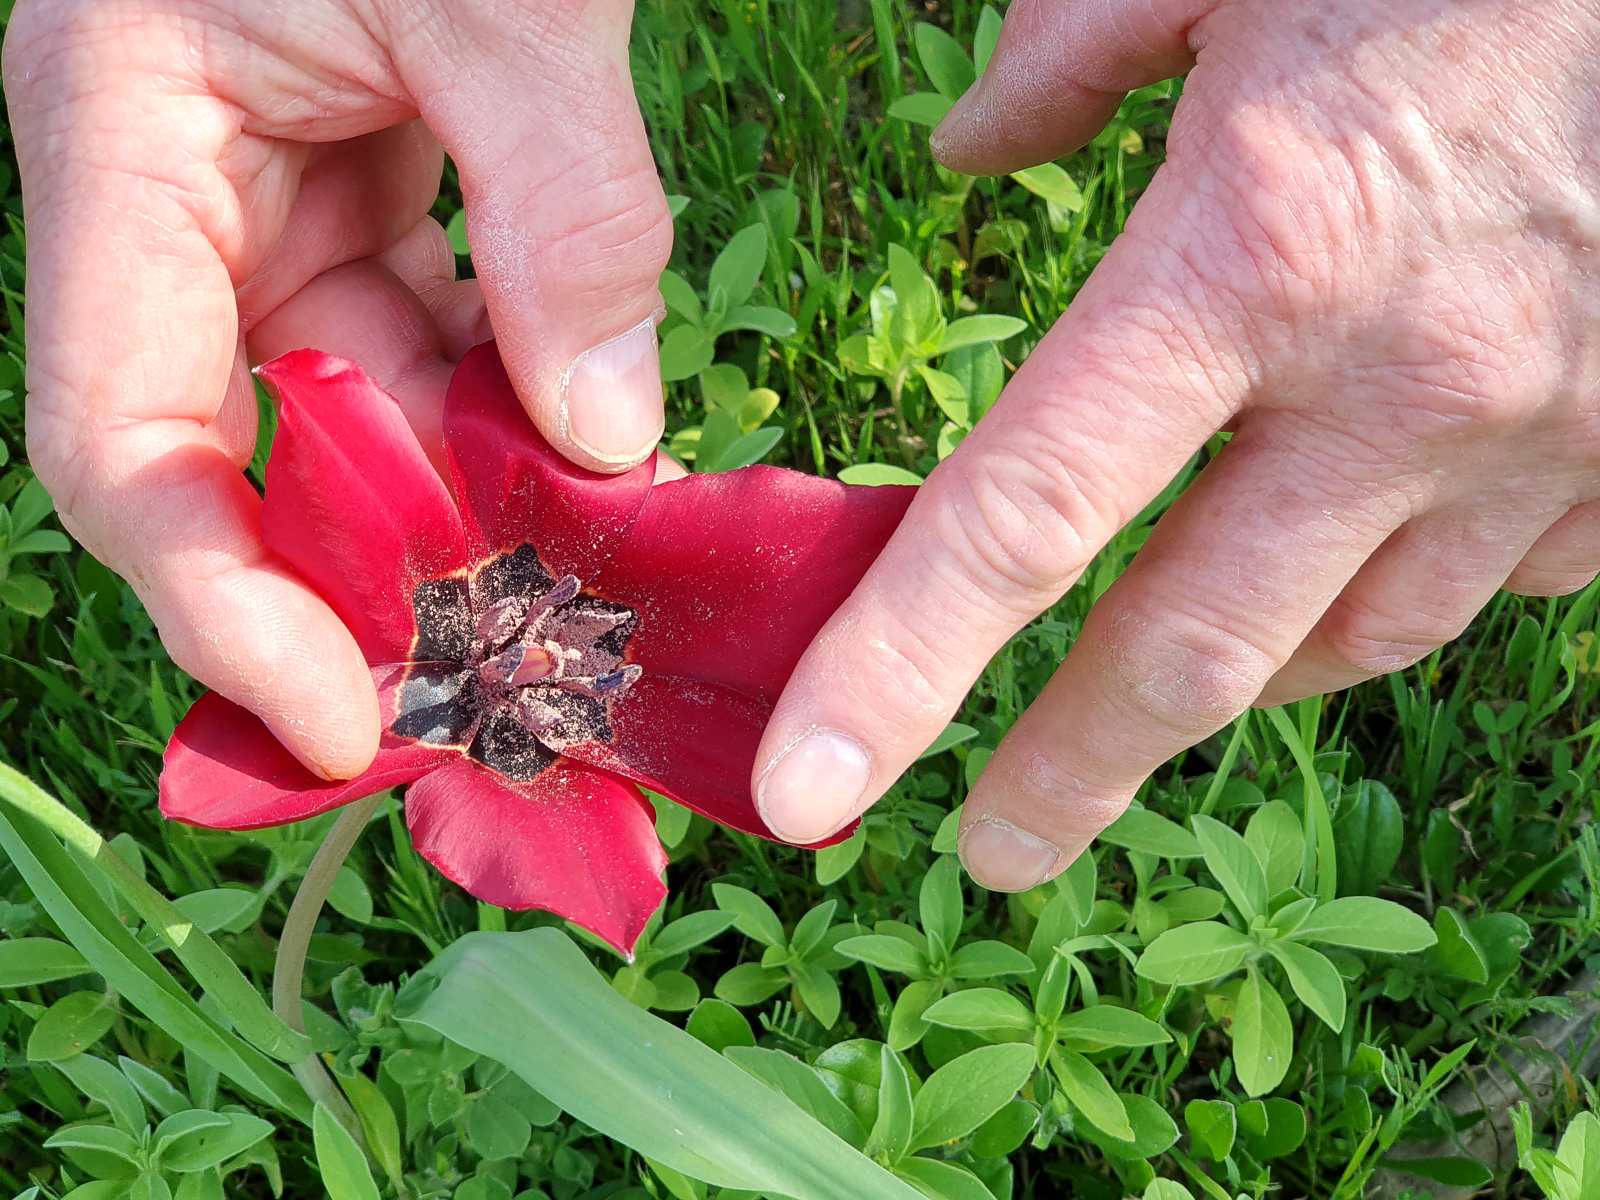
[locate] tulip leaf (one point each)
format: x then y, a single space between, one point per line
513 997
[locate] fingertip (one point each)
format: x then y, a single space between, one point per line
340 740
610 406
1003 858
815 785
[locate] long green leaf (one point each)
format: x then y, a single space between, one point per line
533 1002
212 969
61 887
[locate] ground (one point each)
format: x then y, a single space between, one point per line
1459 789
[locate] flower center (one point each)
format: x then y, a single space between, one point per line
514 665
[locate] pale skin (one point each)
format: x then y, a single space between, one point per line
1373 255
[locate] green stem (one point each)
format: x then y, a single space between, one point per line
289 969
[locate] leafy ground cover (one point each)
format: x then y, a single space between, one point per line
1263 980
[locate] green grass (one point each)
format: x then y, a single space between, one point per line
1461 788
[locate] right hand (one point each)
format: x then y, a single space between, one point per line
211 182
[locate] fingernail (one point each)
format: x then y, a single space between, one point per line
1004 858
814 787
611 404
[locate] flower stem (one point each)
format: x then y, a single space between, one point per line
288 973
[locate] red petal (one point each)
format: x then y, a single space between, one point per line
573 842
515 488
733 575
352 502
224 770
693 742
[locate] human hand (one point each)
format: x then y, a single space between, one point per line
1373 255
210 182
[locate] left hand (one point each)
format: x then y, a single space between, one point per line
1372 253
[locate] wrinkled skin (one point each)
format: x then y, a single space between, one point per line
1372 254
210 183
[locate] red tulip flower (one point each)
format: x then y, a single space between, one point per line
542 643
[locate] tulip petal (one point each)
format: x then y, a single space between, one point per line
693 742
515 489
352 502
572 841
223 769
732 575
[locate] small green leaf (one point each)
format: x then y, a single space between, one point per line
1234 865
941 906
27 961
982 1009
339 1159
1195 953
720 1025
686 350
752 916
1314 979
1276 836
974 331
743 451
1090 1094
891 1131
987 959
1457 952
1366 923
456 232
921 108
1213 1125
695 929
964 1093
886 952
773 322
941 1180
1150 833
28 594
200 1148
878 474
907 1023
738 267
1106 1025
1051 183
1263 1036
948 67
70 1026
1005 1131
1368 832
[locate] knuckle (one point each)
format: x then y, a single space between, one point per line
1550 579
1027 521
1373 642
1185 673
622 237
1068 801
896 681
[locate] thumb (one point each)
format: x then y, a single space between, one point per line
1059 73
567 221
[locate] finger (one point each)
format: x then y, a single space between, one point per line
1420 590
1216 601
123 398
1058 75
1565 559
424 260
364 312
566 216
1100 418
356 198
